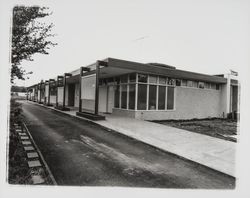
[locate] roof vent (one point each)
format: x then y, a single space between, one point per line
162 65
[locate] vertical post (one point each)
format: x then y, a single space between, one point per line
80 89
228 94
40 99
48 103
97 88
57 92
64 89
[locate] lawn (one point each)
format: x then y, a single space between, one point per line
220 128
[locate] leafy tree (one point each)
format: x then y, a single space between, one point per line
29 36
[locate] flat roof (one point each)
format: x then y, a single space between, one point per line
161 70
117 67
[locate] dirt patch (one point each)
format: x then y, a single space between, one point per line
220 128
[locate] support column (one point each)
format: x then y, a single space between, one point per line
48 101
64 90
40 99
57 92
80 89
97 87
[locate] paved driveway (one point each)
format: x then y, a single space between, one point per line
81 153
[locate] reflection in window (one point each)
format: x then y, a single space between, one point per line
201 85
117 80
189 83
207 85
142 97
117 96
161 97
162 80
195 84
171 81
142 78
124 79
178 82
183 82
152 79
132 77
131 104
124 96
170 98
152 97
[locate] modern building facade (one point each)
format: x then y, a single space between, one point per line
143 91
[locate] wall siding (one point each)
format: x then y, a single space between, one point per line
189 103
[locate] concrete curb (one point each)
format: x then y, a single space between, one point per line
41 156
109 129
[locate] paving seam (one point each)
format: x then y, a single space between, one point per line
90 121
40 154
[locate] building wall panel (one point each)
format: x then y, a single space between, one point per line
189 103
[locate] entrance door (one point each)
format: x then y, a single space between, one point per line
71 94
110 102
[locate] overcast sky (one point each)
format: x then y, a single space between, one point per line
201 36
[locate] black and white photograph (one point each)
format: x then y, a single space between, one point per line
144 98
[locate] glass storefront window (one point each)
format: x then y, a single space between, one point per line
171 81
184 83
189 83
161 97
152 79
195 84
152 97
124 96
162 80
178 82
207 85
132 77
117 96
131 104
142 97
170 98
117 80
124 79
142 78
201 85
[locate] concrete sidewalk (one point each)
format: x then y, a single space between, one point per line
212 152
215 153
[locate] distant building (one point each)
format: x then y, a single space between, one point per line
143 91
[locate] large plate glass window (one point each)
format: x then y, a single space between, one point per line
142 97
161 97
124 96
201 85
152 97
152 79
117 96
131 104
124 79
142 78
132 77
171 81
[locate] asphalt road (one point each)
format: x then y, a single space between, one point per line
84 154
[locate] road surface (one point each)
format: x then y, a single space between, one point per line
84 154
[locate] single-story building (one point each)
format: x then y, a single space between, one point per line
149 91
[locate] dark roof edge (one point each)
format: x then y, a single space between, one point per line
176 73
